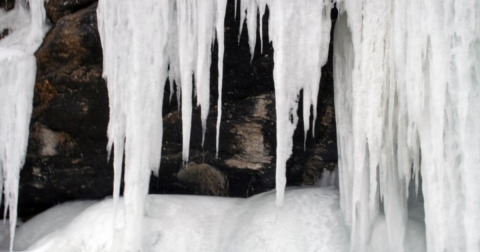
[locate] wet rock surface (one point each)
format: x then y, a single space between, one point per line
67 156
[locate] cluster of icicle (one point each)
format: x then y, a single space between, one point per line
26 27
407 99
300 34
144 44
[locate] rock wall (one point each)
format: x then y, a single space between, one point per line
67 156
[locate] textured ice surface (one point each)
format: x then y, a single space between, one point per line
26 26
407 103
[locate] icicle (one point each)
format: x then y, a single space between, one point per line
16 95
298 38
135 66
186 17
220 28
403 86
115 36
248 12
204 49
172 52
195 22
300 32
235 11
262 6
143 46
18 69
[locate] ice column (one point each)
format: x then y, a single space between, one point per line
26 26
143 45
406 97
220 28
300 32
134 39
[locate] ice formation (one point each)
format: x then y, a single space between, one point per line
26 27
407 103
143 45
406 94
300 33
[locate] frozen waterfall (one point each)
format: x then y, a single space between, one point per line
408 108
407 100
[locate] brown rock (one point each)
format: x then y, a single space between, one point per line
57 9
67 156
204 179
253 151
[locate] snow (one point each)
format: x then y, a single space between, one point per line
406 96
26 26
309 221
56 218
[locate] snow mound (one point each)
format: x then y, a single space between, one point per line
310 220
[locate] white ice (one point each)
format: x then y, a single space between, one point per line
143 45
300 33
407 102
26 28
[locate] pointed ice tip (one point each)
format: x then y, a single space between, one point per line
305 142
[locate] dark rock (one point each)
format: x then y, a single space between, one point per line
4 33
67 156
56 9
203 179
7 4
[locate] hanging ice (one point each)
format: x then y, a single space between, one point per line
134 38
300 32
407 101
219 26
140 43
26 27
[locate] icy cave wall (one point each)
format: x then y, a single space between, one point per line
67 157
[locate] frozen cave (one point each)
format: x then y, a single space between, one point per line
406 92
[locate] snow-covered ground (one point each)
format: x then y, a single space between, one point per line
310 220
